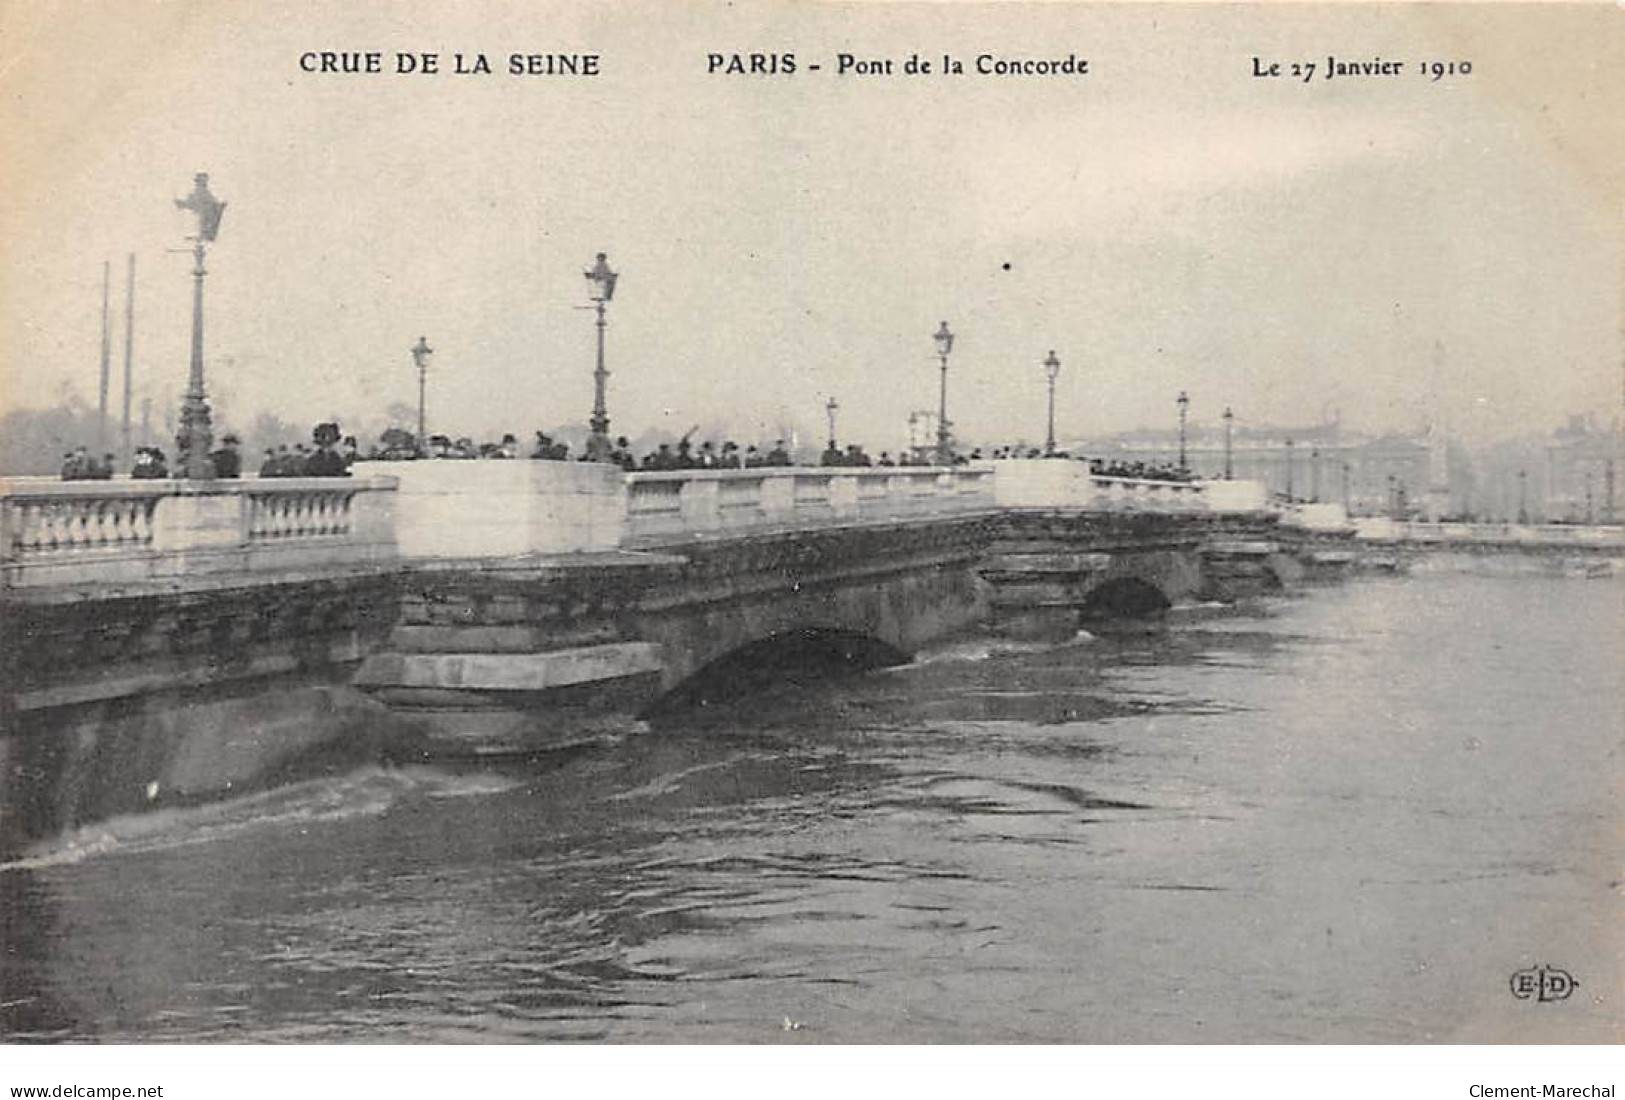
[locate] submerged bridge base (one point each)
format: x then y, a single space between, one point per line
511 656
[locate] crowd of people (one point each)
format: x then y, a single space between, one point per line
327 458
331 455
1153 471
707 456
78 465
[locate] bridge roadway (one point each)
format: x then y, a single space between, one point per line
168 643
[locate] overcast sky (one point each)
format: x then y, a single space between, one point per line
1167 222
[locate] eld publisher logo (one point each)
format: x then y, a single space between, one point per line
1543 983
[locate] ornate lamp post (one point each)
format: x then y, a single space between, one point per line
945 344
1229 419
1314 474
1052 368
602 289
829 410
421 354
195 438
1289 471
1184 403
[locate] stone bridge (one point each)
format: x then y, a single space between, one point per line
170 642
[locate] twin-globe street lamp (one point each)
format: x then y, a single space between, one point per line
195 438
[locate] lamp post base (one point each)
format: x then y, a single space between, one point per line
598 446
194 441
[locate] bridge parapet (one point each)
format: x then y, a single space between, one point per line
1533 535
1070 485
54 533
687 503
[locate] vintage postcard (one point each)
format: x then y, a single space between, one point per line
812 523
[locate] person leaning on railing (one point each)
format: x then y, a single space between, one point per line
149 463
228 463
325 461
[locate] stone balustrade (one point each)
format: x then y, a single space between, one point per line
80 532
1383 529
122 531
671 504
1063 484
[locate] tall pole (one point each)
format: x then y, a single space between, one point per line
1345 468
829 410
196 434
1229 419
1289 471
945 344
598 441
421 351
1523 496
1052 367
1184 402
101 407
129 354
1049 438
1314 474
196 438
602 280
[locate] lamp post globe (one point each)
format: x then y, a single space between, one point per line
1052 369
600 289
945 343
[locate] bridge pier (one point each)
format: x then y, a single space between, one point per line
518 655
1050 572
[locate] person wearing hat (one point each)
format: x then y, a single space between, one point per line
149 463
228 463
324 461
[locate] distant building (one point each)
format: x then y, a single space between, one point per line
1582 467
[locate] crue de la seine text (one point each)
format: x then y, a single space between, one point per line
423 63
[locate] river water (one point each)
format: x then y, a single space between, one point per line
1348 815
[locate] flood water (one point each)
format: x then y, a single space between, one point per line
1346 816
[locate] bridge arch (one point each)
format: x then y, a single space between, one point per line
1124 598
792 656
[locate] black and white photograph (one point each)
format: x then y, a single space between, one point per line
812 525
